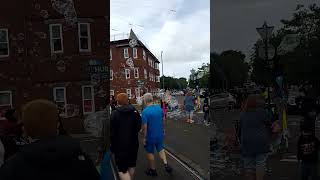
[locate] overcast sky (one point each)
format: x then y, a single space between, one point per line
234 22
179 28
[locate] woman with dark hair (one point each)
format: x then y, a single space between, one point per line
254 137
189 106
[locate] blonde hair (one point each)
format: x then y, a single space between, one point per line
40 118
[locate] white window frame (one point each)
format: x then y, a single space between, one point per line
111 92
111 74
129 94
127 72
7 92
135 53
145 74
137 92
65 97
144 55
51 39
110 54
7 31
126 53
92 96
136 73
89 37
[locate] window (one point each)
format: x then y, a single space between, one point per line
87 99
150 76
135 53
136 72
5 98
149 61
111 92
56 38
137 91
111 74
5 103
84 37
158 78
125 53
129 93
110 54
59 97
145 74
127 72
156 65
144 55
4 43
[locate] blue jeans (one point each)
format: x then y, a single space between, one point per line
308 170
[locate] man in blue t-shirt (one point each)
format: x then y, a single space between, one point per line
153 130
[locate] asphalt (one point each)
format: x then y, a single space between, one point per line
179 172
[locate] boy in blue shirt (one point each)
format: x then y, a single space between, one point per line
153 130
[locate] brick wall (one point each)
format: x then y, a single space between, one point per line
118 63
30 71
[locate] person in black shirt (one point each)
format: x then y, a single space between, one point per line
125 127
206 111
47 155
308 148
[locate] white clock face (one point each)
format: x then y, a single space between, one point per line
133 43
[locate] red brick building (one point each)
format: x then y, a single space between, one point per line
144 77
45 48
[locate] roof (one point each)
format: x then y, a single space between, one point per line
125 42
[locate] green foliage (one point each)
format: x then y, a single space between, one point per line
174 83
202 82
300 64
229 69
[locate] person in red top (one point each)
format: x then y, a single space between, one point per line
12 134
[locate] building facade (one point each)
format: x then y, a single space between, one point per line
45 50
143 77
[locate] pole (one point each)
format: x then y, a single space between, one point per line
267 59
162 71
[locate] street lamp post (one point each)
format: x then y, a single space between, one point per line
265 32
162 71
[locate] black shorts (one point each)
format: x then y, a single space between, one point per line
126 160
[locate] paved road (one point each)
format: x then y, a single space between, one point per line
179 172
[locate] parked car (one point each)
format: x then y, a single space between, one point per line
222 100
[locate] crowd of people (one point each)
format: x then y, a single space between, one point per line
260 129
126 124
37 147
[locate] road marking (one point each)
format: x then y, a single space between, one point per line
194 173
